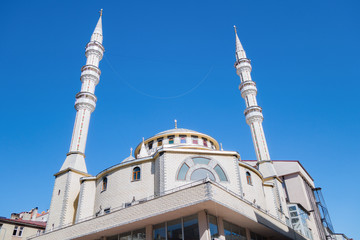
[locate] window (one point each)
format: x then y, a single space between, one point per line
248 178
136 174
221 173
233 231
202 173
205 142
59 192
183 171
150 145
159 231
174 230
160 142
200 160
107 210
171 139
191 227
213 226
104 184
21 231
182 139
15 230
195 139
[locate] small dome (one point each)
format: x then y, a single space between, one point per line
179 138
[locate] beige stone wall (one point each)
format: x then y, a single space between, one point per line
254 191
86 200
6 232
122 189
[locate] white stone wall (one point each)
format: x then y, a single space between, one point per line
122 189
86 200
173 162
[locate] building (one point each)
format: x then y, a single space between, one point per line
23 225
180 183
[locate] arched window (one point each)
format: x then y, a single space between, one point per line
136 174
248 178
202 173
104 184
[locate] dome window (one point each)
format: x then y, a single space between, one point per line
182 139
160 142
195 140
136 174
205 142
171 139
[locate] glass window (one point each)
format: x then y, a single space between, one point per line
233 232
139 234
107 210
171 139
191 228
248 178
136 174
183 171
205 142
160 142
182 139
174 230
255 236
150 144
159 231
201 160
220 172
195 139
214 231
104 184
125 236
201 173
115 237
15 230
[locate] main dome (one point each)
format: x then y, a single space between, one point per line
178 138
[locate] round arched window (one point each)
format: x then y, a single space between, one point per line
136 174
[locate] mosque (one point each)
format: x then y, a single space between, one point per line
181 184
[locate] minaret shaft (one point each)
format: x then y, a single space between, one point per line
253 112
85 100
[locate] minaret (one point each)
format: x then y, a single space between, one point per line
85 100
63 207
253 113
254 118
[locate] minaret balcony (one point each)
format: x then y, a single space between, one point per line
247 87
94 48
91 70
85 100
253 113
242 64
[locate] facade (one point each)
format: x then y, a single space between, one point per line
180 184
22 225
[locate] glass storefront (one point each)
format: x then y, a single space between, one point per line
139 234
213 227
234 232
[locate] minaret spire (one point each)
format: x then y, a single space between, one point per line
86 100
253 112
240 52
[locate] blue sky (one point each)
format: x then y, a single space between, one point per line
174 59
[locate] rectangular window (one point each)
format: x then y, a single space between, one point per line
205 142
160 142
21 231
182 139
194 139
191 228
171 139
125 236
139 234
150 144
107 210
174 230
15 230
213 226
159 231
233 231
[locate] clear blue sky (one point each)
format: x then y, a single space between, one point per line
305 57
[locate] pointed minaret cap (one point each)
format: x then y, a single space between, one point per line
98 34
240 52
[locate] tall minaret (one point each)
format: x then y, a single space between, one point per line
85 100
65 195
254 118
253 112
